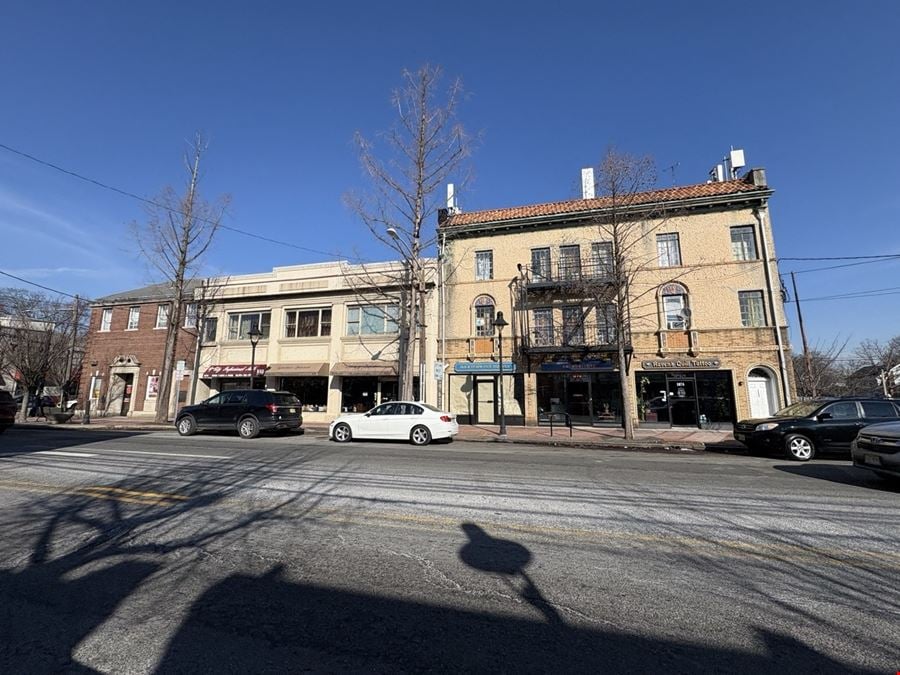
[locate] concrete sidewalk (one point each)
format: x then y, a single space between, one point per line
679 440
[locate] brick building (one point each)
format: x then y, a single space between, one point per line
706 339
124 351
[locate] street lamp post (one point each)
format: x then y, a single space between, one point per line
500 323
254 334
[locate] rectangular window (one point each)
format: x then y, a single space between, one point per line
106 319
540 264
542 325
210 329
240 325
162 316
307 322
134 315
673 307
570 262
573 325
743 243
752 311
668 250
602 259
878 409
190 315
606 324
484 319
484 265
373 320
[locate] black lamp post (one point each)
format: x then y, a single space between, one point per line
254 334
500 323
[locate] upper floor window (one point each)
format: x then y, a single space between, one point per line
190 315
239 325
675 306
210 329
106 319
573 325
484 265
668 250
602 258
307 322
570 262
162 316
542 325
606 324
134 316
540 264
753 312
743 243
373 319
484 316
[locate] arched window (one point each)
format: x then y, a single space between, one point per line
483 309
675 308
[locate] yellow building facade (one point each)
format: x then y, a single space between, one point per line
701 321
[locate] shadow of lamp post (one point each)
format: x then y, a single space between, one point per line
500 323
254 334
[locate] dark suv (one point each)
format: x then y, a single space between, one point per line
7 410
804 428
247 411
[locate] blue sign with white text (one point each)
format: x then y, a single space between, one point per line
483 367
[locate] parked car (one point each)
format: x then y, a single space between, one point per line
805 428
417 422
8 409
877 448
247 411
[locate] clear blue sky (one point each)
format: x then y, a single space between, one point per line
112 90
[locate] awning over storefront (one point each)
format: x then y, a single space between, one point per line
234 370
298 369
365 368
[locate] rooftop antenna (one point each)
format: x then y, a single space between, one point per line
671 170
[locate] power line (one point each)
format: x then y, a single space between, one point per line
46 288
853 264
875 292
846 257
151 202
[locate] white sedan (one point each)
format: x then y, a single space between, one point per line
419 423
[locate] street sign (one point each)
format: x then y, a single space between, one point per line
439 370
483 367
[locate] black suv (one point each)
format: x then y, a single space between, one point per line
7 410
804 428
247 411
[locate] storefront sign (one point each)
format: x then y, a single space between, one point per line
681 364
575 366
234 371
483 367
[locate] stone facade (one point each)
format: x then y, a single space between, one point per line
715 359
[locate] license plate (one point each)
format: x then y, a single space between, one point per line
292 410
874 460
740 437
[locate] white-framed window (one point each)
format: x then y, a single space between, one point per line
240 324
674 299
162 316
606 324
540 264
190 315
542 326
210 328
573 325
134 317
602 258
753 313
483 309
484 265
668 249
570 262
307 322
106 319
743 243
152 386
373 319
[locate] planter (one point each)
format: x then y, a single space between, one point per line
61 417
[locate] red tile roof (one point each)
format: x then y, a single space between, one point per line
577 205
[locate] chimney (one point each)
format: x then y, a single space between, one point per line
587 183
756 177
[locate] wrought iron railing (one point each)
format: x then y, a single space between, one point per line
569 271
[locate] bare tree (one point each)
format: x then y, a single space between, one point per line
39 341
821 373
881 357
177 234
416 157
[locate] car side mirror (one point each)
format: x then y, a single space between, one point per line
825 416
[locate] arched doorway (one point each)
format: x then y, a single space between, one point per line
761 392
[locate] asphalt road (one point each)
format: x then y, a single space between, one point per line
145 552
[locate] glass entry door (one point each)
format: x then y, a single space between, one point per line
485 397
682 400
579 398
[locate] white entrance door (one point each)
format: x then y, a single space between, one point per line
760 400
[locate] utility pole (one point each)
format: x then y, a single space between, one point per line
70 361
806 357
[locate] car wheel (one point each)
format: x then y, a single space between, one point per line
420 435
248 427
342 433
187 426
799 447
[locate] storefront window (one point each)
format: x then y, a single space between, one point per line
312 391
588 398
694 398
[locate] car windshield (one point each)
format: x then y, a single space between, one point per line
800 409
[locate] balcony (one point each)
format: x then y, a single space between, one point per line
567 273
570 338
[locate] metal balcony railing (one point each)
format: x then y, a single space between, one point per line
561 337
569 272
